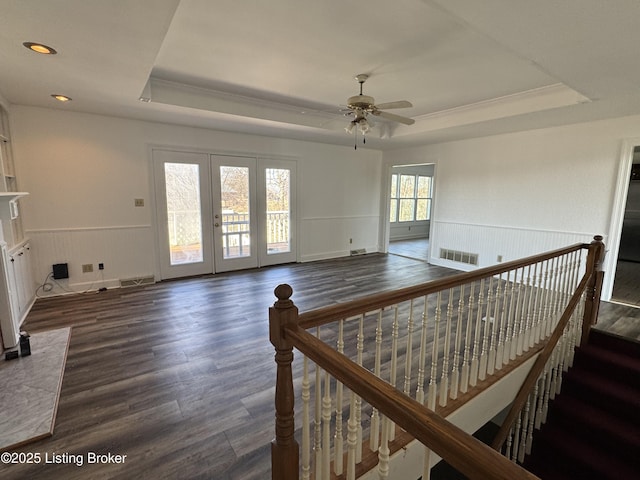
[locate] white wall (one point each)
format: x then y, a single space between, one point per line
523 193
84 171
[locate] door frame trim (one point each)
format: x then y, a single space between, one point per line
617 214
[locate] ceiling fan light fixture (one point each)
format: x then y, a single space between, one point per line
349 128
364 126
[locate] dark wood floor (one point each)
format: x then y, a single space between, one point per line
417 248
179 376
626 286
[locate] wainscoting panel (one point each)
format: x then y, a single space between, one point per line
125 251
496 244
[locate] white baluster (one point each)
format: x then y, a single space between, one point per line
408 358
383 451
426 464
503 322
492 323
520 318
423 355
352 438
484 355
464 372
338 441
394 362
554 360
540 399
512 321
547 390
326 428
532 417
530 294
544 307
509 351
317 409
374 432
360 350
475 354
517 431
444 379
433 382
455 373
508 451
557 277
306 430
535 327
523 433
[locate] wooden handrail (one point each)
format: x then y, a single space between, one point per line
465 453
332 313
589 279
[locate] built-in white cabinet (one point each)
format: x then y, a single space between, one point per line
17 285
17 290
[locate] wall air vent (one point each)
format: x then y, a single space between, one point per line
135 282
359 251
457 256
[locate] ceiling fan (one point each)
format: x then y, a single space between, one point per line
360 106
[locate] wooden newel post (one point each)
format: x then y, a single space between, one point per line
284 448
595 259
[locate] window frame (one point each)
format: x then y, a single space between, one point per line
397 200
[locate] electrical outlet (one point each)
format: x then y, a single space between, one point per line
499 258
101 266
87 268
351 240
139 202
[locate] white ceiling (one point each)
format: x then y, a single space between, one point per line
283 68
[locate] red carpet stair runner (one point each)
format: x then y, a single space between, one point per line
593 427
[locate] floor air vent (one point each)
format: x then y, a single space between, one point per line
457 256
134 282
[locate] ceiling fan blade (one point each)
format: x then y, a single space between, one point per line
398 104
395 118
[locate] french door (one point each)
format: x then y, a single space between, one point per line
216 213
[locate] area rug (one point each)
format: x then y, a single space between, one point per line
30 388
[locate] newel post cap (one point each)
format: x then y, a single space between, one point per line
283 293
282 314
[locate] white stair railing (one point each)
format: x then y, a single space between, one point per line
438 343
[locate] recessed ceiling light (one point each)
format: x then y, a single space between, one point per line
61 98
40 48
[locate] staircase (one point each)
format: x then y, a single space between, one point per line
593 427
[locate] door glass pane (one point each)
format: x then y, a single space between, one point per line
182 181
278 182
234 195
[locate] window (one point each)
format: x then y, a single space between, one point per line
410 198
